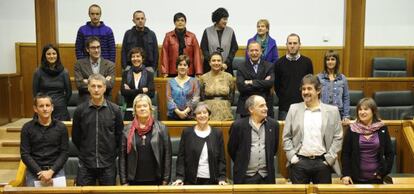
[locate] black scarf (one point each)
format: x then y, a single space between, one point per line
181 41
136 69
58 68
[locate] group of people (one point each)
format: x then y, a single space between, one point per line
315 109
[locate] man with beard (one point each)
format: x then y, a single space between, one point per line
312 136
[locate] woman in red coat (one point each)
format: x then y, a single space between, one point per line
178 42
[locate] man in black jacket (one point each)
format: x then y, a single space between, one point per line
96 132
253 144
140 36
255 77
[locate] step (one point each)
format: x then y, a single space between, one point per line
9 157
10 143
10 133
10 150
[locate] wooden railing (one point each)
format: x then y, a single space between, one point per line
228 189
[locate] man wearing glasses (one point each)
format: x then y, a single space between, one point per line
94 64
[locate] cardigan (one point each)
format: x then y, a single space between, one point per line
350 158
189 155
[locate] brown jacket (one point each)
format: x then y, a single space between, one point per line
169 54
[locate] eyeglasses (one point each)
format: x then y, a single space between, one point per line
95 47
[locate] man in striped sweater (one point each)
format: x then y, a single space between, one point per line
97 28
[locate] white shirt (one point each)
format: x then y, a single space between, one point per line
312 144
203 170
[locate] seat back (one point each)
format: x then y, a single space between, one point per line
73 102
389 67
71 165
237 61
175 146
394 105
354 97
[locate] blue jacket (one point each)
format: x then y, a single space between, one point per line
105 35
271 55
340 93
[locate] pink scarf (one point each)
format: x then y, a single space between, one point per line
141 131
360 128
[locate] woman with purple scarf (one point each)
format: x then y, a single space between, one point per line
367 154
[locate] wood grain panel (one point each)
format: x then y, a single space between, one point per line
4 100
28 64
16 97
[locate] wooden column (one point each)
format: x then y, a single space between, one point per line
354 38
46 24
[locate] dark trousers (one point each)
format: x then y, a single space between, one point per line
372 181
255 179
89 176
204 181
310 170
282 115
145 182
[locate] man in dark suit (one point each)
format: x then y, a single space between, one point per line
93 64
256 76
253 144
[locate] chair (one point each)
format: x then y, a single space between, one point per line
71 165
394 105
354 97
175 146
237 61
275 107
389 67
73 102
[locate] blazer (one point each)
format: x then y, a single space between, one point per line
83 70
350 156
189 156
147 80
239 145
161 146
170 54
331 132
259 87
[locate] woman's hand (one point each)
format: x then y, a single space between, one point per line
126 87
347 180
224 66
178 182
180 114
222 183
346 121
145 90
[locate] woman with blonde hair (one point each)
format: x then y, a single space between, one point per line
145 157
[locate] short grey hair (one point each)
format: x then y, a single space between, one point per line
97 76
250 102
200 106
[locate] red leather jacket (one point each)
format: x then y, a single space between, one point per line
169 54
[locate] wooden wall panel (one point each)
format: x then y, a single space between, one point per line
16 97
4 100
27 64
